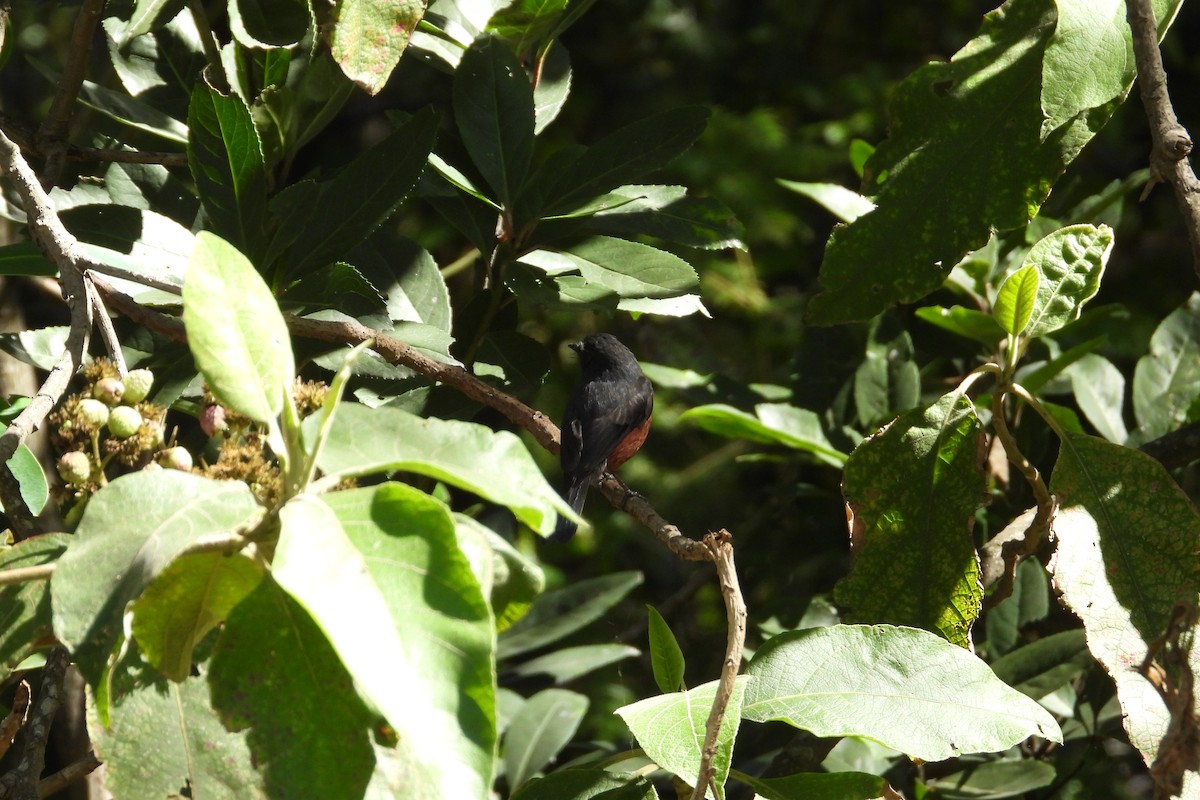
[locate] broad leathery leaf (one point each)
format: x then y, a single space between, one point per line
912 491
561 612
1089 60
671 729
320 222
130 531
1127 539
819 786
1045 664
1166 383
544 725
145 13
994 779
339 286
369 36
226 160
493 107
667 212
31 481
1014 301
965 322
265 24
627 155
235 331
772 424
493 464
905 688
587 783
938 195
380 572
193 595
1099 388
569 663
887 380
1029 602
843 203
176 723
644 278
666 657
272 674
1070 263
508 578
553 86
25 623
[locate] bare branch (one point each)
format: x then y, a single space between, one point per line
21 782
53 133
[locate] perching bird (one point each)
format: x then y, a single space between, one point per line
607 419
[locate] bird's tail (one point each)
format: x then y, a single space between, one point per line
575 495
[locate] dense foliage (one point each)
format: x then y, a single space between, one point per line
919 356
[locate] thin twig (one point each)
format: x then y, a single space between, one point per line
107 332
53 133
1171 142
69 774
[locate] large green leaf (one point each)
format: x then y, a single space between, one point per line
369 36
1070 263
671 729
668 212
139 240
561 612
938 193
275 675
164 738
902 687
226 160
320 222
25 607
1042 666
1099 388
817 786
380 572
130 531
493 107
544 725
1125 557
237 335
772 423
492 464
911 493
888 380
1166 383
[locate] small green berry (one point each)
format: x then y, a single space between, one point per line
93 412
124 421
108 391
137 386
75 468
176 458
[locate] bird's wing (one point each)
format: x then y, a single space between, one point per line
620 411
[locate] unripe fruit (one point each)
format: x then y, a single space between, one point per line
137 385
75 468
176 458
93 412
212 420
108 391
124 421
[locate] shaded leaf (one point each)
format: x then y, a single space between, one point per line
1099 388
568 663
561 612
773 423
888 380
584 784
667 212
965 322
25 623
1166 383
817 786
993 780
666 657
543 726
1044 665
268 23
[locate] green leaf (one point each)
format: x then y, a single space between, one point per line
410 280
512 360
1099 388
138 240
1014 302
939 195
527 25
163 737
965 322
911 494
510 579
25 623
450 27
369 36
25 258
560 613
816 786
1126 555
235 331
268 23
773 424
189 598
644 278
380 572
666 658
843 203
42 347
493 464
570 663
1029 602
145 14
226 160
993 780
1070 263
1045 664
888 380
940 700
272 674
1166 383
493 106
667 212
1039 375
340 286
627 155
671 729
320 222
553 86
544 725
130 531
585 784
27 470
128 110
